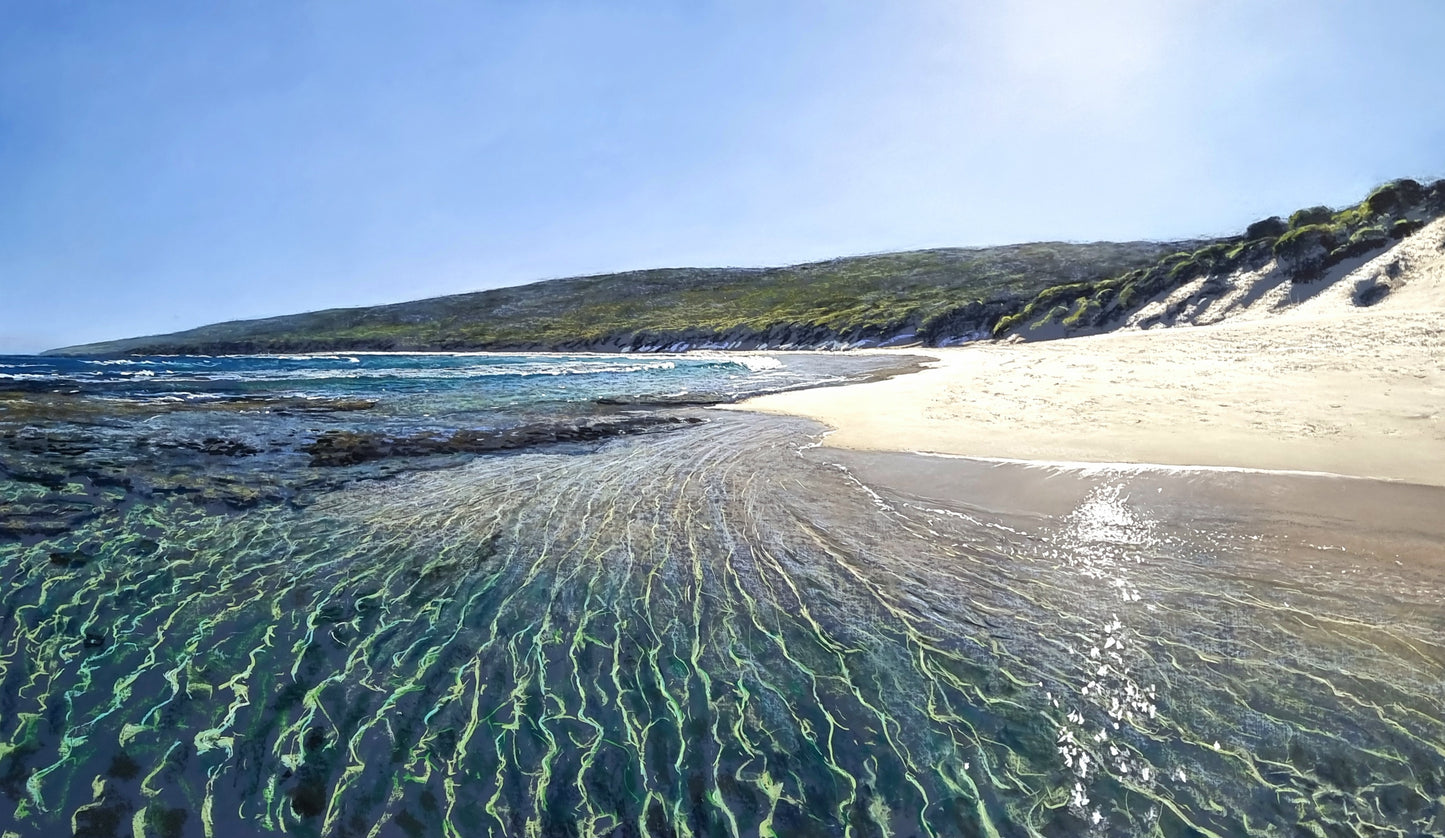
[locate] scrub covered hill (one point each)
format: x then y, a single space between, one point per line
929 295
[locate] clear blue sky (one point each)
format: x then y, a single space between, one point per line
165 165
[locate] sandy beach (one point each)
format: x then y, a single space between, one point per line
1316 385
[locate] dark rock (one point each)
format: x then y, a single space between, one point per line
315 739
308 798
30 519
103 819
166 822
63 559
345 448
310 406
660 401
226 447
123 767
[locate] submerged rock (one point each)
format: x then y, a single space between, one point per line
226 447
69 559
344 448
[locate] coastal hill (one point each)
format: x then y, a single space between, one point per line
930 297
928 293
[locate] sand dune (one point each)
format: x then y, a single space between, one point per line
1301 378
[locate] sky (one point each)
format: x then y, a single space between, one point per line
169 164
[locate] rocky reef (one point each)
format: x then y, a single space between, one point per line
345 448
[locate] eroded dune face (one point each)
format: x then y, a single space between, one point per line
706 633
1407 279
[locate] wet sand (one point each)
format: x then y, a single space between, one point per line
1377 521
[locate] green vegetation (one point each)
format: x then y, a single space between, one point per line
1403 227
1300 242
1310 215
1361 241
1007 324
1084 313
1393 197
933 293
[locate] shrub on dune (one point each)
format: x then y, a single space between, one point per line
1007 324
1402 228
1310 217
1303 250
1362 241
1394 197
1435 199
1268 228
1085 313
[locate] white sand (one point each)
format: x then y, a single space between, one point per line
1317 384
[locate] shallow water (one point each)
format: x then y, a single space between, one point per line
714 631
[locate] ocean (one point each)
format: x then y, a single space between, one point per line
548 595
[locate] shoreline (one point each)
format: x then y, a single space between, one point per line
1368 518
1358 396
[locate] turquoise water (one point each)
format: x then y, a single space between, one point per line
450 382
711 629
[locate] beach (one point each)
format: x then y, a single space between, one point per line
1318 386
